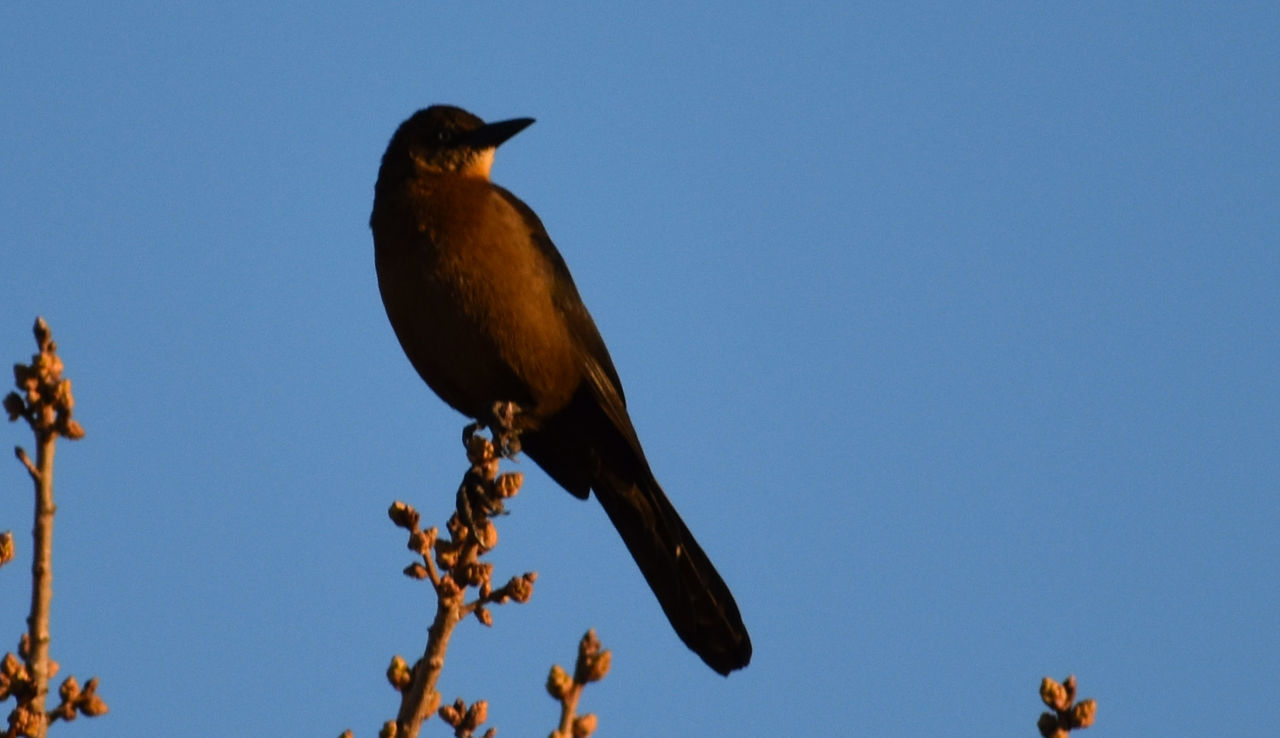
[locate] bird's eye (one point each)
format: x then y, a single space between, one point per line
443 136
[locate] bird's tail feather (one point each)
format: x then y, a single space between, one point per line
696 600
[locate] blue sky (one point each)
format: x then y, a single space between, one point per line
950 329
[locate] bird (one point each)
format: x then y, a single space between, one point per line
487 312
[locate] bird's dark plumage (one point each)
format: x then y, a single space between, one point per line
487 312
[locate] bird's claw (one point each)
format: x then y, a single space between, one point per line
502 424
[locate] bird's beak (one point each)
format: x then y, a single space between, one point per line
490 135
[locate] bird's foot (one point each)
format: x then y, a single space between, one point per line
502 424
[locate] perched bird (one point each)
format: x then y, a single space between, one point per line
487 312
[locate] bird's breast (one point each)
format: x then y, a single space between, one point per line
472 298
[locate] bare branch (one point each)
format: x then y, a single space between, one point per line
45 403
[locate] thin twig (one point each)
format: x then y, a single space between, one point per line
21 453
46 405
42 572
592 666
452 565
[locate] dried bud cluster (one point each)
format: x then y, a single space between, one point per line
46 401
14 678
592 666
74 699
16 682
451 562
593 663
1067 714
466 720
483 490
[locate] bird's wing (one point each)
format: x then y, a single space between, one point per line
567 299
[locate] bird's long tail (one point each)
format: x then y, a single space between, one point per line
696 600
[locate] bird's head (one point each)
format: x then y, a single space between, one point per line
445 139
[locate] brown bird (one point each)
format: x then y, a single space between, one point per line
486 311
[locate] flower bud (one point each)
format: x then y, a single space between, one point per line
403 515
1083 713
559 682
476 714
598 666
1053 694
399 674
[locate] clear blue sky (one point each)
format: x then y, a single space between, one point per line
952 332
